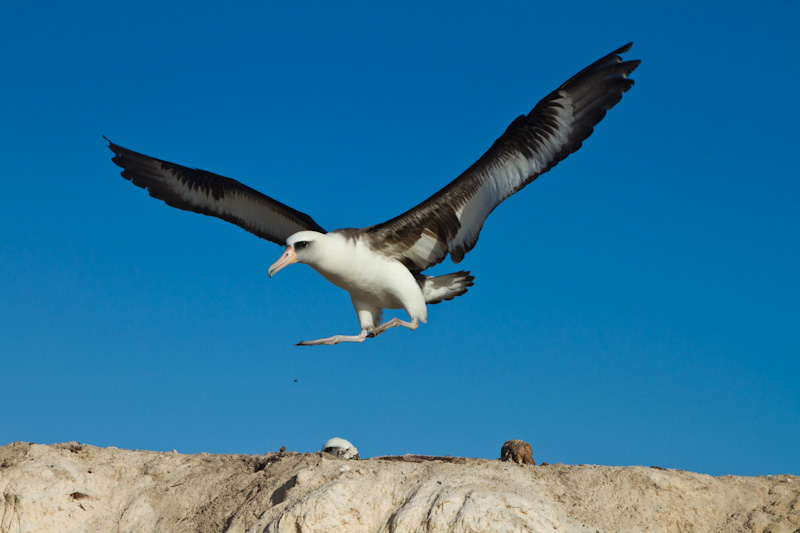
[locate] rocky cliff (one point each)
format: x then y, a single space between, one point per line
76 488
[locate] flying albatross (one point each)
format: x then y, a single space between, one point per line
381 266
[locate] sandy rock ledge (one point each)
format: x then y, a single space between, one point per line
79 488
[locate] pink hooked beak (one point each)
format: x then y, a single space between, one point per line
288 257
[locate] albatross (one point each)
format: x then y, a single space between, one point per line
382 266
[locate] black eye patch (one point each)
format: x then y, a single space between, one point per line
301 244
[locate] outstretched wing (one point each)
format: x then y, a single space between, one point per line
210 194
451 220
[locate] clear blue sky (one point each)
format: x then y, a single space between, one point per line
637 305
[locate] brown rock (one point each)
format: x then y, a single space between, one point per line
518 451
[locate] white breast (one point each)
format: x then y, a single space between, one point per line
369 276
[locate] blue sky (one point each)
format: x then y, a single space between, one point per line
637 305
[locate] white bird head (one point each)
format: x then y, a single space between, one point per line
302 247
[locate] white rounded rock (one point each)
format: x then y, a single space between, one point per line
340 448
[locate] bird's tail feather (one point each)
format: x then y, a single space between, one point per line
438 288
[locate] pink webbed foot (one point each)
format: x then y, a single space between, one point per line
414 324
336 339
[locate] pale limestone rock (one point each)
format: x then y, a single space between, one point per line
75 488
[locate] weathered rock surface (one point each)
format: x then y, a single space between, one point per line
79 488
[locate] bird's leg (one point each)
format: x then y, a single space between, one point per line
414 324
336 339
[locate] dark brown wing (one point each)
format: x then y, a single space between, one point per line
210 194
451 220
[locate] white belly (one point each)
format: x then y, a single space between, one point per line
375 279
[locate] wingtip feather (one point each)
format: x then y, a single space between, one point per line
623 49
